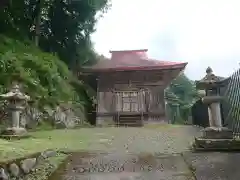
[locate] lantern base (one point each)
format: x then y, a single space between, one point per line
217 138
202 144
14 132
217 133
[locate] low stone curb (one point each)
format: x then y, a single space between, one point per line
18 168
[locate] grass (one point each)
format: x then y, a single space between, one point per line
42 140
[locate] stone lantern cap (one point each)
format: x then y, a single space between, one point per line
15 94
210 80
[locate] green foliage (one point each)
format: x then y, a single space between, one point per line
180 96
43 76
57 26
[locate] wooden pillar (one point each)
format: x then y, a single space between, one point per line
141 103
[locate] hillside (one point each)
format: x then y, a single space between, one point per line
42 75
43 45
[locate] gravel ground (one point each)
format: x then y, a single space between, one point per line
135 140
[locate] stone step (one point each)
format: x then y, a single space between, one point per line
202 144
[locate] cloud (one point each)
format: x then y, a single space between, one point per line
202 32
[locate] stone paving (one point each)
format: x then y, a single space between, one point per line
137 153
127 167
160 154
147 154
214 165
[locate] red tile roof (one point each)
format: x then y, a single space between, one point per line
128 60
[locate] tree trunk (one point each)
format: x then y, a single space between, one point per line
37 22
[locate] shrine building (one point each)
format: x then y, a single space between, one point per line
130 88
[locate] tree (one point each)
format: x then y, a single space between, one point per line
181 94
57 26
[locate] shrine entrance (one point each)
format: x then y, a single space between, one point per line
128 108
129 101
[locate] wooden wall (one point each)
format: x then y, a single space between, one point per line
150 86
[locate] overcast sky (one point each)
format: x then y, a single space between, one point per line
201 32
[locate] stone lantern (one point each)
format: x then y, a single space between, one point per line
212 84
215 132
16 100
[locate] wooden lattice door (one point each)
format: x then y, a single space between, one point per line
127 101
130 102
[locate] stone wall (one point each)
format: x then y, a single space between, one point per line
62 116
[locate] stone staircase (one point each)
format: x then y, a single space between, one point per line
129 121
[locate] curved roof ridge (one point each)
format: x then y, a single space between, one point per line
130 60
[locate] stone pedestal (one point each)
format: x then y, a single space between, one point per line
217 133
214 138
202 144
14 132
